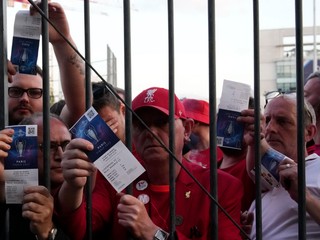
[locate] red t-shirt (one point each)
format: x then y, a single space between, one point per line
314 148
192 207
239 171
202 158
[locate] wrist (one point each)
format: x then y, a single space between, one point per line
51 235
160 234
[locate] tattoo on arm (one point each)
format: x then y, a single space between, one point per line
77 62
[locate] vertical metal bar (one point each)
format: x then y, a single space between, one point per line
127 75
3 66
4 94
213 124
315 50
171 117
256 62
300 120
46 94
88 189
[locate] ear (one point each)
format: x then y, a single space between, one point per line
122 109
188 126
310 132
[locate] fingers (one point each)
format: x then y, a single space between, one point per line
246 219
288 173
37 207
113 124
127 199
79 143
76 165
37 203
133 216
11 71
129 206
286 164
52 7
42 190
5 141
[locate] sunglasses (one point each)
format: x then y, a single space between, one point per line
16 92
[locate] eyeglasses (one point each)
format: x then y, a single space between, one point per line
273 94
54 146
16 92
314 75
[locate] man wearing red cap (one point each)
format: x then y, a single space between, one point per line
145 214
199 142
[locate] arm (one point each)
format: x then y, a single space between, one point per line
133 216
313 206
71 66
289 180
38 208
76 168
247 118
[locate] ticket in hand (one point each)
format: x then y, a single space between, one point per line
25 42
21 164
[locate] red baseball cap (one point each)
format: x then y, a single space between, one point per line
197 109
158 98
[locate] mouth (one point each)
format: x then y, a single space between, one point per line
56 169
153 147
23 109
273 141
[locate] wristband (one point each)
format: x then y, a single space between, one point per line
52 234
160 235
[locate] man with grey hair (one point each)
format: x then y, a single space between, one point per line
280 204
33 217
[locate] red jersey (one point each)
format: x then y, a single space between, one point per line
192 207
202 158
239 171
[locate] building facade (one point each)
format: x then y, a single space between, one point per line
278 60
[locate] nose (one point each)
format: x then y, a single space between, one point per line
270 126
58 154
24 97
149 132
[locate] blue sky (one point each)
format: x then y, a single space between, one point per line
149 38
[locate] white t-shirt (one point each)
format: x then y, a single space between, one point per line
280 212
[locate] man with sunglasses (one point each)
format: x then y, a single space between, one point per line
34 216
25 91
280 204
145 214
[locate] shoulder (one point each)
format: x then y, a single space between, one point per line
226 180
313 160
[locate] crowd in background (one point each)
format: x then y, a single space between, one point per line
60 212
